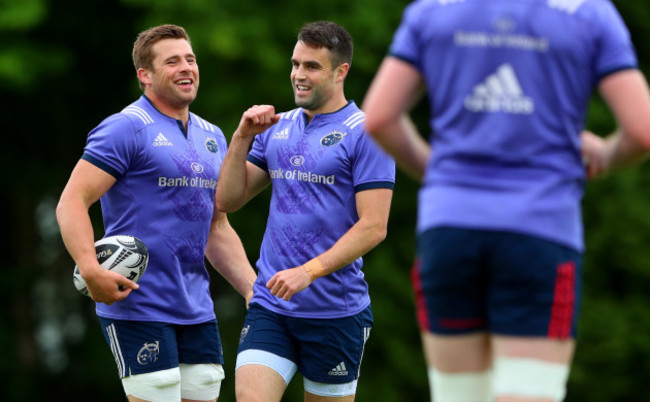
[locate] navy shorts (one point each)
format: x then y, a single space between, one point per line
144 347
324 350
501 282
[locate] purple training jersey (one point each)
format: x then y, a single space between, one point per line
316 169
164 195
508 95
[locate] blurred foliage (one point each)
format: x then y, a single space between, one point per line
65 65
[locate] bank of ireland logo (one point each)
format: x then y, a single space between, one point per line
149 353
211 145
297 160
332 138
197 167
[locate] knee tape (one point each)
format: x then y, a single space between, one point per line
201 382
459 387
530 378
161 385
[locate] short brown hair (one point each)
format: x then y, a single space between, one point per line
331 36
142 54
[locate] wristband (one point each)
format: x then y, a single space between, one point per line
314 268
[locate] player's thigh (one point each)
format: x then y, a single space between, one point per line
450 281
254 382
535 287
541 348
457 353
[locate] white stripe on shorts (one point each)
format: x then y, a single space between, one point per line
115 348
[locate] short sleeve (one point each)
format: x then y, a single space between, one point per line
256 154
112 145
614 45
406 40
372 167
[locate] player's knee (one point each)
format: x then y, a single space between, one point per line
201 382
530 378
460 387
161 385
330 390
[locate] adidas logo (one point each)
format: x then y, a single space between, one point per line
500 92
281 135
161 141
340 369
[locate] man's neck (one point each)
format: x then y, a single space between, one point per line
334 105
181 113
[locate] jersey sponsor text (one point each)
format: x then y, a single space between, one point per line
299 175
187 182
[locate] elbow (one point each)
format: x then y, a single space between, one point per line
224 201
643 139
380 237
225 206
379 233
637 133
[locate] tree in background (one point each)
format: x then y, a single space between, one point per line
64 64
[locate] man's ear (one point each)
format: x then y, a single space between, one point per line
342 72
144 76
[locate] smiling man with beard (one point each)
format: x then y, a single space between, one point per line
154 168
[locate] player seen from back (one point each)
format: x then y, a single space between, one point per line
500 236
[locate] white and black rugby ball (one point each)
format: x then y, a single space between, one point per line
126 255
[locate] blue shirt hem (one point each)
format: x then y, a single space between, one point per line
378 184
103 166
260 164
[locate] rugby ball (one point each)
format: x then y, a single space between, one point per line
126 255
